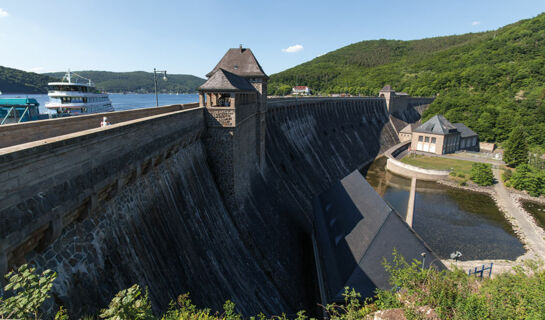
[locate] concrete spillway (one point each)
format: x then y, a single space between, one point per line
165 224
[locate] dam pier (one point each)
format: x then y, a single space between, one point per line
216 198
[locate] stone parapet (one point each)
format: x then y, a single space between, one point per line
14 134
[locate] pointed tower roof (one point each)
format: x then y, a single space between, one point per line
387 88
438 125
240 61
222 80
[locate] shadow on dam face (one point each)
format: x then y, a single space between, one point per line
169 229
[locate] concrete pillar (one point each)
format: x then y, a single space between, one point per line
410 205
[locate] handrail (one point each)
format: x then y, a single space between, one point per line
6 117
24 112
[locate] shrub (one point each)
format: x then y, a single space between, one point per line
129 304
29 291
481 174
524 178
461 175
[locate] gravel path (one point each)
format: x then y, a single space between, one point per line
533 235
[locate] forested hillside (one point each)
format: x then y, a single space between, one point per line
138 81
18 81
491 81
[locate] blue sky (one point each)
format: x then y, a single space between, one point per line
191 36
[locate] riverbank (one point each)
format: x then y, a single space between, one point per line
523 223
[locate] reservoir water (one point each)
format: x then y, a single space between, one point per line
123 101
536 209
450 219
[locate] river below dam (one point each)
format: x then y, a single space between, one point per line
449 219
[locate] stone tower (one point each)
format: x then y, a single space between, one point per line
388 93
235 100
242 62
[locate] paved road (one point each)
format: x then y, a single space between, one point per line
524 222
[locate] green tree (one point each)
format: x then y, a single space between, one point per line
516 149
485 126
481 174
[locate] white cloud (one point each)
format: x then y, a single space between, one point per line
292 49
3 13
475 23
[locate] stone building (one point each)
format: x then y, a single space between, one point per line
235 100
406 133
439 136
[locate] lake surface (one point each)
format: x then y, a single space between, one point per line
123 101
450 219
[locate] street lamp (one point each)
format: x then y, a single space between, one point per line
155 72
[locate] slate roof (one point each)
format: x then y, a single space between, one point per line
437 125
240 61
223 80
464 130
355 230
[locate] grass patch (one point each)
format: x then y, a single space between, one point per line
459 168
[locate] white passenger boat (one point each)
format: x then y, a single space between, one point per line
76 95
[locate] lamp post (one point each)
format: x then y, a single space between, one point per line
155 72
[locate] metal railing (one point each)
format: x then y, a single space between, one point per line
7 116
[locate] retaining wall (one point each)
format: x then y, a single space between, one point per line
409 171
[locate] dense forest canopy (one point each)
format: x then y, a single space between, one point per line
139 81
491 81
18 81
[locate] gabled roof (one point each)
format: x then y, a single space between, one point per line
223 80
387 88
437 125
355 230
240 61
465 132
409 128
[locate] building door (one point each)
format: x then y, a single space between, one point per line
419 146
426 147
432 148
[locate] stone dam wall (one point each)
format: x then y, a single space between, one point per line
138 202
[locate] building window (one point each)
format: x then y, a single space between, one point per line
420 138
433 140
427 139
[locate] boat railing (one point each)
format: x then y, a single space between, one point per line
24 112
14 110
7 116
